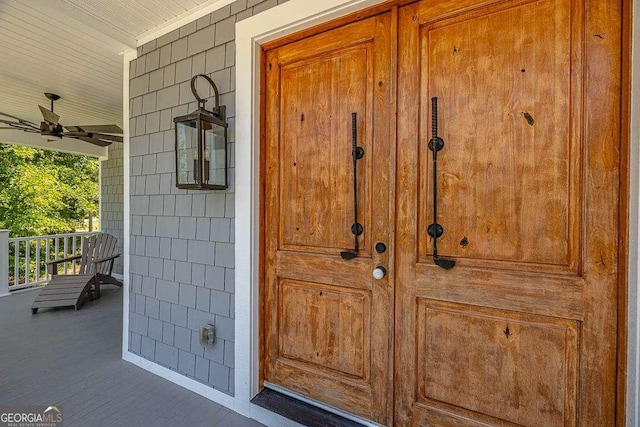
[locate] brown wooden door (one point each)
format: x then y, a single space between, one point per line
328 323
522 331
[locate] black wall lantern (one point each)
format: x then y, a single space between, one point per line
201 145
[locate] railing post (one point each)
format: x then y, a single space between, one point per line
4 263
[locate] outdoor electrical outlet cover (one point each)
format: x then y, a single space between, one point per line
207 335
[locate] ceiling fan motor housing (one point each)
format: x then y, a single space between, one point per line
51 128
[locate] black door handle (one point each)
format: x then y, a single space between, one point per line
436 230
357 153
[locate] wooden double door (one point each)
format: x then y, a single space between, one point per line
522 329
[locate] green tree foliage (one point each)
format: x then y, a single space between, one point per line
46 192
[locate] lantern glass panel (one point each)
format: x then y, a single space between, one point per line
214 154
187 146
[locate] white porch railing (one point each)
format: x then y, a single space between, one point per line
4 263
23 259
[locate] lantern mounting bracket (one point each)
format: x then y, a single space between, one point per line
218 111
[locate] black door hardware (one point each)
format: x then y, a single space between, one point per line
357 153
436 230
381 247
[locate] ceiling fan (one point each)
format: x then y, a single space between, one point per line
51 130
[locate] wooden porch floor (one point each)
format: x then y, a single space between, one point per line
72 359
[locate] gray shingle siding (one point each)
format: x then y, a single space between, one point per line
182 250
112 198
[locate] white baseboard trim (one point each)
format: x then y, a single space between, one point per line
256 412
179 379
5 295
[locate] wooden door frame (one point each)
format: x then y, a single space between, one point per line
304 17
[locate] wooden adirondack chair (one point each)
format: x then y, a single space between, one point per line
95 267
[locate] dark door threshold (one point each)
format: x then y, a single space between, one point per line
300 412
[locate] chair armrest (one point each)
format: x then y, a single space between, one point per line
58 261
101 260
52 266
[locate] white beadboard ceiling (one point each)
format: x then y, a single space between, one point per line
74 48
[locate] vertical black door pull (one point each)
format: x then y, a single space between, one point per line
357 153
436 230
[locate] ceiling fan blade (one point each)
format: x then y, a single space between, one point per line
96 135
9 115
20 121
93 141
10 123
49 116
95 128
20 125
105 137
23 129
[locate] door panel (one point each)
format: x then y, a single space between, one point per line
328 323
488 361
521 330
506 73
327 326
314 126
